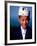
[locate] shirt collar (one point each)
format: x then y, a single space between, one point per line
23 30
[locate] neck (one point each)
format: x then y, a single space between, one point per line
23 28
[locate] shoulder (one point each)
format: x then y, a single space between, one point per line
13 29
29 33
29 30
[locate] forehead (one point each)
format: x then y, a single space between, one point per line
24 17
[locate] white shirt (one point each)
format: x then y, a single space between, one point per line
23 32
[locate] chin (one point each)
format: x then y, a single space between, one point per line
24 27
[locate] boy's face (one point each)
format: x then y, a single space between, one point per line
24 21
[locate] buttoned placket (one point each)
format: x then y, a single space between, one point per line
23 31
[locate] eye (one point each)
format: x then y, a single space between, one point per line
22 19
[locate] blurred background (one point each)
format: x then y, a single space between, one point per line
14 16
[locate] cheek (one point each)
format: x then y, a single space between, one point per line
27 22
24 22
21 22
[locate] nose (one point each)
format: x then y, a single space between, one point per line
24 21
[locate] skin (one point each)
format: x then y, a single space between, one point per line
23 20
